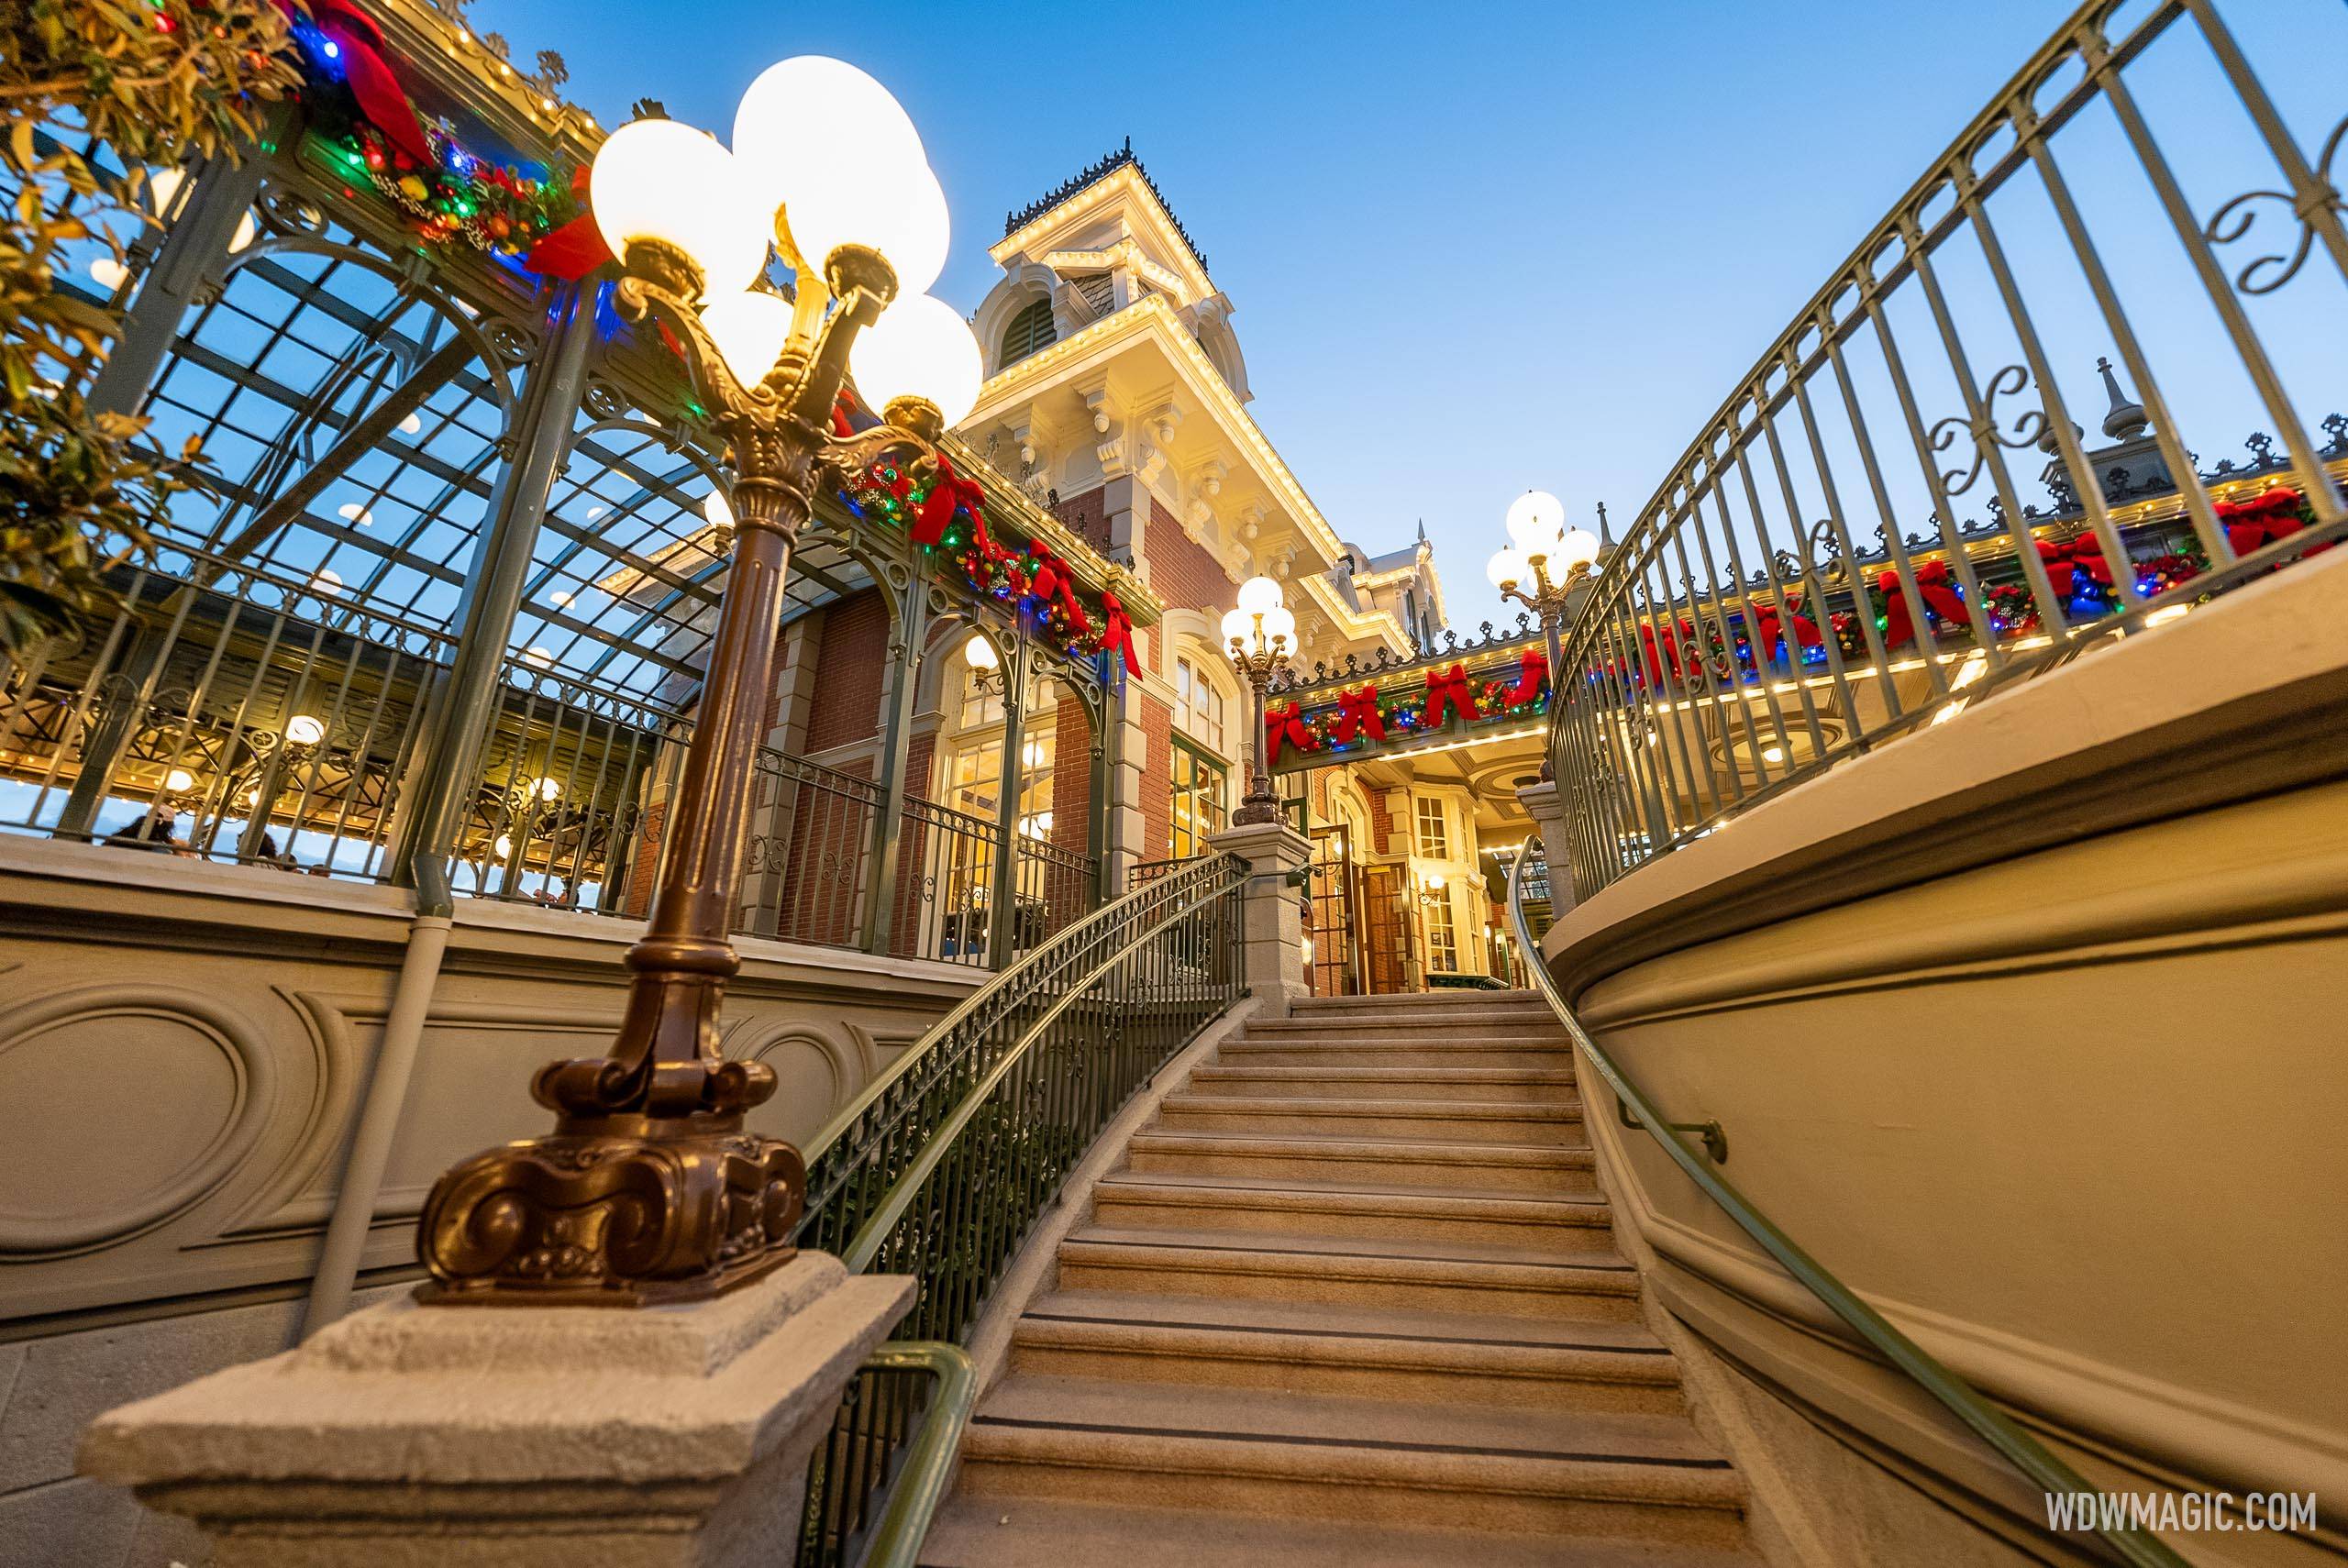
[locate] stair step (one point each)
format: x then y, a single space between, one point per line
1372 1273
1131 1200
1335 1081
1432 1164
1021 1531
1528 1025
1295 1458
1398 1050
1461 1120
1439 1001
1401 1369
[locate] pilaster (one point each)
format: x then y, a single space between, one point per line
1276 854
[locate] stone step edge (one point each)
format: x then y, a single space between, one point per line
1402 1151
1656 1368
1561 1278
1144 1187
1705 1483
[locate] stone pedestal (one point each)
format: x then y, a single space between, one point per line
1275 913
1547 810
524 1437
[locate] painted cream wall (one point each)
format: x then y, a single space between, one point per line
2033 1027
183 1048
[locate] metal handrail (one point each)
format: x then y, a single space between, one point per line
865 1244
928 1461
942 1171
1744 634
2025 1453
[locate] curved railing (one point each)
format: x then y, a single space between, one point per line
943 1166
1700 1163
1797 591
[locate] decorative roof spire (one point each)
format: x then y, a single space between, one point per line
1098 171
1605 535
2126 419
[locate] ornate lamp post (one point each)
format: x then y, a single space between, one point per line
1544 551
1261 633
648 1190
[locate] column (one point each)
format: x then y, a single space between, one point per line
1002 897
908 634
430 809
1546 807
1276 854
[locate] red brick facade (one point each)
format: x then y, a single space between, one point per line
1157 779
1182 574
1086 517
852 662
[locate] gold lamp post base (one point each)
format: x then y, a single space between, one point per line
630 1211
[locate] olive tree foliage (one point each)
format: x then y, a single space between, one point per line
96 93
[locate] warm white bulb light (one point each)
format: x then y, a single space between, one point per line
305 729
1258 595
979 653
1507 567
1279 628
717 510
1578 547
749 329
909 227
920 347
790 131
179 780
1535 520
662 181
1238 626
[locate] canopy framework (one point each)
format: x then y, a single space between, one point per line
452 580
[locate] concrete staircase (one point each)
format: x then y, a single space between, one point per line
1352 1300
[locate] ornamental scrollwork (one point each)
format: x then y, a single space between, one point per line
1982 427
2234 220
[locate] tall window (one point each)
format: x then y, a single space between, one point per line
1443 936
1200 790
1029 331
1198 707
981 697
1434 831
976 784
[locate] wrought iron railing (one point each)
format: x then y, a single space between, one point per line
226 712
879 1474
1056 883
946 1161
1745 634
1701 1166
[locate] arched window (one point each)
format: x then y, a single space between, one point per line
1030 330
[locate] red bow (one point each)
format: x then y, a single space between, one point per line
2065 563
1285 727
1052 580
1448 690
947 492
1766 626
1933 581
2262 519
577 247
381 98
1117 632
1532 677
1670 649
1357 711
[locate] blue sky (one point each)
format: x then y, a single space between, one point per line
1472 249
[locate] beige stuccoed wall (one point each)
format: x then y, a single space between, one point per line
182 1050
2033 1027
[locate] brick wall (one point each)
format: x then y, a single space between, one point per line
1071 776
1086 517
1182 574
1157 779
850 660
